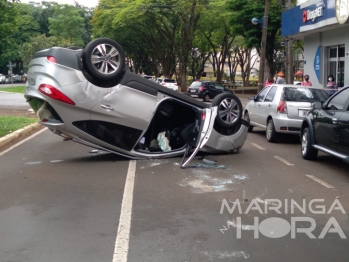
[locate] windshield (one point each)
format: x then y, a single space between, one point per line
169 81
303 94
196 84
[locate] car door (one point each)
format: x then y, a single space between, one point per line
343 131
326 120
123 115
218 88
211 89
266 106
255 106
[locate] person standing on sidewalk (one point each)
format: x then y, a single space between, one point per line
331 85
306 81
269 82
280 80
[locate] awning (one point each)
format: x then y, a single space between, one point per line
299 73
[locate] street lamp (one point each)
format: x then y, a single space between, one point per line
256 21
285 59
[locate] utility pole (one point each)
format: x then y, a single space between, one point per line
290 72
10 66
263 46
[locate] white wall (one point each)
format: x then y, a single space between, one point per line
325 39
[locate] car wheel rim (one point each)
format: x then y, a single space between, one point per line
304 143
106 59
229 110
247 118
269 130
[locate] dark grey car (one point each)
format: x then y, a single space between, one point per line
207 90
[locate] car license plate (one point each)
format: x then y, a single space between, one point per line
302 113
192 91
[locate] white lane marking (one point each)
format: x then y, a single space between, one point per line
258 146
23 141
321 182
123 237
284 161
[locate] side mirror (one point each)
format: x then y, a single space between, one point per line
317 105
251 98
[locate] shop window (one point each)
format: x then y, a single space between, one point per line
336 63
341 51
333 52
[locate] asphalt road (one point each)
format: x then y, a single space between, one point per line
59 202
13 101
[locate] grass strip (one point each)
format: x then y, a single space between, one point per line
9 124
14 89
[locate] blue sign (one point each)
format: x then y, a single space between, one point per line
317 63
304 17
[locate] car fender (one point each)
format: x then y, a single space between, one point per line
308 123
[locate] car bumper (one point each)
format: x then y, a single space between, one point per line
283 124
218 143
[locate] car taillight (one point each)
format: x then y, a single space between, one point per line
203 116
54 93
51 59
202 88
282 107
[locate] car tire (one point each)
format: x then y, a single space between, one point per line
111 58
307 150
247 118
271 134
206 97
229 110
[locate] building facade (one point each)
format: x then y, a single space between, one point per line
324 27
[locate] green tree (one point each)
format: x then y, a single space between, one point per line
167 28
35 44
86 13
215 27
242 13
66 24
8 27
41 12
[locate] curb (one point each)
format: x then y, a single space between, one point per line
5 92
18 133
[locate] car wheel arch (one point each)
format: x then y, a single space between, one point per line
307 124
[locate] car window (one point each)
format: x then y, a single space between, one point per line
304 94
169 81
271 94
219 86
338 102
196 84
262 94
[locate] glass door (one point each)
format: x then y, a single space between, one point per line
335 64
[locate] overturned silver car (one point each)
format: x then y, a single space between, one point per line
89 96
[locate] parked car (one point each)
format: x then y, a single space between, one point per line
207 90
281 108
169 83
147 77
326 128
2 79
90 96
8 80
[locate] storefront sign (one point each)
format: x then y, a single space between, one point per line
342 11
317 63
313 14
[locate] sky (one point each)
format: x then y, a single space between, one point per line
87 3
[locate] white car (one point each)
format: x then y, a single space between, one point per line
2 79
281 108
169 83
